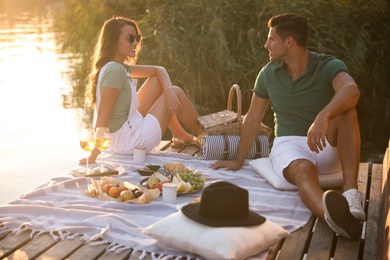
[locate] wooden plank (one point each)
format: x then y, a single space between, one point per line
162 146
274 251
364 181
88 252
117 256
190 150
346 248
384 247
35 247
172 150
321 243
12 242
295 245
62 249
165 146
4 235
373 213
386 166
140 255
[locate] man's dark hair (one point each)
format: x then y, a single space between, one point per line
290 25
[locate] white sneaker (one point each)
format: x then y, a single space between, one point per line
355 203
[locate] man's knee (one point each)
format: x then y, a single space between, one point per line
346 122
349 117
301 171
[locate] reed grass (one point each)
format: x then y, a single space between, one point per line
208 45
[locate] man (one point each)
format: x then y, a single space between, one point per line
313 98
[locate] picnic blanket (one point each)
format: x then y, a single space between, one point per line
59 205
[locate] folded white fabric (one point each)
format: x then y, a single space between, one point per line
224 147
181 232
264 167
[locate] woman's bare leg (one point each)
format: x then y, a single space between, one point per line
152 100
188 114
149 92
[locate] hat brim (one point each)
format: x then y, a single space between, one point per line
252 219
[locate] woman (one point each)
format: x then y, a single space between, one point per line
134 118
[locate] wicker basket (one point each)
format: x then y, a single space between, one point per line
227 122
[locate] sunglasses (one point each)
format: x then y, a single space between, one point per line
131 38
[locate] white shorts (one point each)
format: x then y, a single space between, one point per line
290 148
136 131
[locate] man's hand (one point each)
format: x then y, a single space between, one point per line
227 165
316 136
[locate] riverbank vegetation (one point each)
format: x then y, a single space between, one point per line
208 45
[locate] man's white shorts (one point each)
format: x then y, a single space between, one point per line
287 149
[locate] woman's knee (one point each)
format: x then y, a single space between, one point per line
151 84
151 81
178 90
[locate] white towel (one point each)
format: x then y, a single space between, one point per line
59 205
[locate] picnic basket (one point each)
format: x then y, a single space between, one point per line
227 122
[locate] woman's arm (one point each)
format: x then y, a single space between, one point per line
146 71
107 102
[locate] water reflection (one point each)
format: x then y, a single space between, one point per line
39 136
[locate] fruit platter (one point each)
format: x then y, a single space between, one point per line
187 181
111 189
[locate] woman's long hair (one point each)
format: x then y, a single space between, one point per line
104 52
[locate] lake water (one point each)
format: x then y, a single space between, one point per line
39 138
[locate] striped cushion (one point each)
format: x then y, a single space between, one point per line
219 147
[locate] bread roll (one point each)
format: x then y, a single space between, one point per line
176 167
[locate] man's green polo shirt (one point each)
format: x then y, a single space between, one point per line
297 103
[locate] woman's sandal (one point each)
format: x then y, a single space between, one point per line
179 143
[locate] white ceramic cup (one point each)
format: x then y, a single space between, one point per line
169 192
139 154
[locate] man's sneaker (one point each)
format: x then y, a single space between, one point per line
354 199
338 216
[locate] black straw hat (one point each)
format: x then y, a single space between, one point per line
223 204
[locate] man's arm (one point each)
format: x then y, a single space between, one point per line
346 97
248 134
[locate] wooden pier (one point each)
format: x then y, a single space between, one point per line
313 241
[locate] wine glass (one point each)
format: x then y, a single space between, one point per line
87 143
102 137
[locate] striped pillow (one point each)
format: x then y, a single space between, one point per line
224 147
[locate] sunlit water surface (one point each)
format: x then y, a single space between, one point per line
39 138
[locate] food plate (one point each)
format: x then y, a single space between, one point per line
144 183
153 168
77 173
145 172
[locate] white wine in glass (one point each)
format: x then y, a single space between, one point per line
102 137
87 143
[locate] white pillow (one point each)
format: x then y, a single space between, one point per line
264 167
181 232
